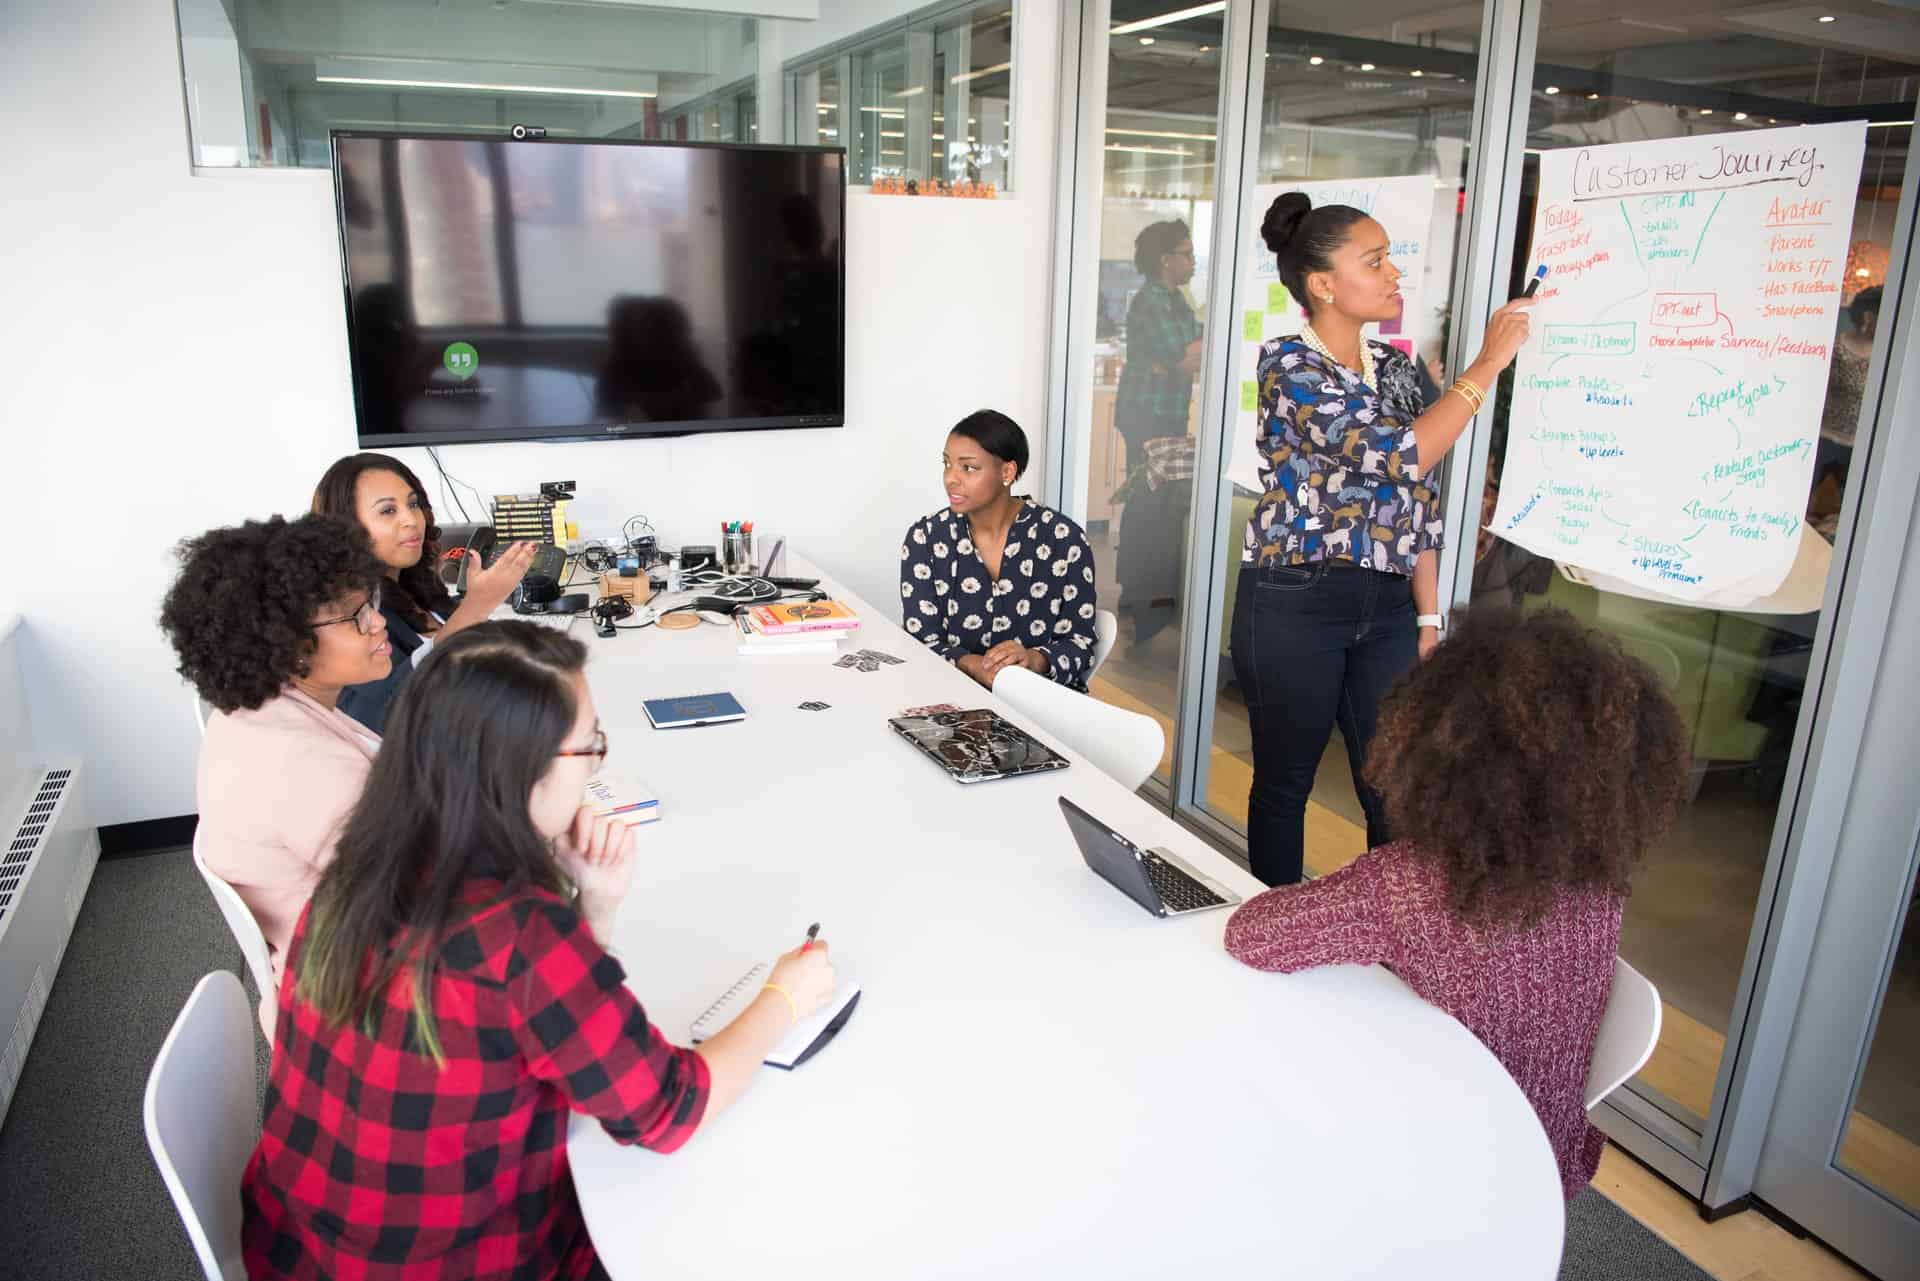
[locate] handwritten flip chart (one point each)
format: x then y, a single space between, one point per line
1404 206
1667 404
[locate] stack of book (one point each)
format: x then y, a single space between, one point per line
622 798
794 627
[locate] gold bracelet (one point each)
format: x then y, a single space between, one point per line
1469 393
791 1003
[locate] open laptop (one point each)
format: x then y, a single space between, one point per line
977 745
1158 880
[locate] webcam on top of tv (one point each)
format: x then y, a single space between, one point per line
523 132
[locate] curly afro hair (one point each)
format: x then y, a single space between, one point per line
240 614
1528 755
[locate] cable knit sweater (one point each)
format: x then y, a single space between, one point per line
1533 996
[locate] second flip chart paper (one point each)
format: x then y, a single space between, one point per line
1667 404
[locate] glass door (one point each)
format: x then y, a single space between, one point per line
1699 911
1374 111
1842 1154
1157 174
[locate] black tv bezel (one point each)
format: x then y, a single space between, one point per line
584 431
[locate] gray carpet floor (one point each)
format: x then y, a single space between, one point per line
81 1198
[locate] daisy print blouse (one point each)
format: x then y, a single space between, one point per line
1339 463
1043 597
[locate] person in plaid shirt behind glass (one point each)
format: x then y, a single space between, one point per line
1153 403
449 997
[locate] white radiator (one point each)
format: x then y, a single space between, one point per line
46 863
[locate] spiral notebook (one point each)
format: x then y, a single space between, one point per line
807 1037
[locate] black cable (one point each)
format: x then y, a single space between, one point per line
446 491
596 557
479 499
607 612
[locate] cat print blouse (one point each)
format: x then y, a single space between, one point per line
1338 463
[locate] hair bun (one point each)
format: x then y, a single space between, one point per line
1284 216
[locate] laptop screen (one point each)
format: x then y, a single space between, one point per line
1112 855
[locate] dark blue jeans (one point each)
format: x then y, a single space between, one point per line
1313 645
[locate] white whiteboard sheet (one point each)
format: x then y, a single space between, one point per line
1667 405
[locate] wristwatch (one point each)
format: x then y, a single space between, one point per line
1436 621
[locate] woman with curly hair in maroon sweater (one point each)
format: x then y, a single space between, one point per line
1532 765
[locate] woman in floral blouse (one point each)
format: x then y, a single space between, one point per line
992 580
1339 583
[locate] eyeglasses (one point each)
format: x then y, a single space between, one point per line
361 618
598 751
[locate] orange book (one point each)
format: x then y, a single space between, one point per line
792 616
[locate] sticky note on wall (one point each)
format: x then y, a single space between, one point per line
1252 323
1249 397
1277 296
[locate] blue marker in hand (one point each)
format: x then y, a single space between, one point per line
1533 286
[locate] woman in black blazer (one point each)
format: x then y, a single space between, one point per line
384 497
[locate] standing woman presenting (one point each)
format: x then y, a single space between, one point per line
1339 568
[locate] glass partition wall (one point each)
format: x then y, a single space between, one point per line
1344 106
1739 677
1376 112
1155 278
1191 109
265 82
927 98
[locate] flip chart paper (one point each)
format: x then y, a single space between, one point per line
1667 404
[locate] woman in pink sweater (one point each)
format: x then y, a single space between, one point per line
271 620
1530 765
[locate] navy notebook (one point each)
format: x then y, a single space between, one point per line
700 709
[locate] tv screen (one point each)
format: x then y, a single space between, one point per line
501 290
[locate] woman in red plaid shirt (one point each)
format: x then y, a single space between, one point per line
450 998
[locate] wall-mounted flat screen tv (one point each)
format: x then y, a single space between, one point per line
519 290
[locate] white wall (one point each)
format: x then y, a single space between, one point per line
179 361
19 761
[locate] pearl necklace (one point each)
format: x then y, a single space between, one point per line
1367 374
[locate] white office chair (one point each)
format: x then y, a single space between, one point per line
201 1117
246 930
1123 744
1629 1029
1106 630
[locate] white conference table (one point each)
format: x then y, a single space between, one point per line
1041 1080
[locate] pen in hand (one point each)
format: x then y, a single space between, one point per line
813 932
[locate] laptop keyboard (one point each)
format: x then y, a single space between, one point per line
1180 892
